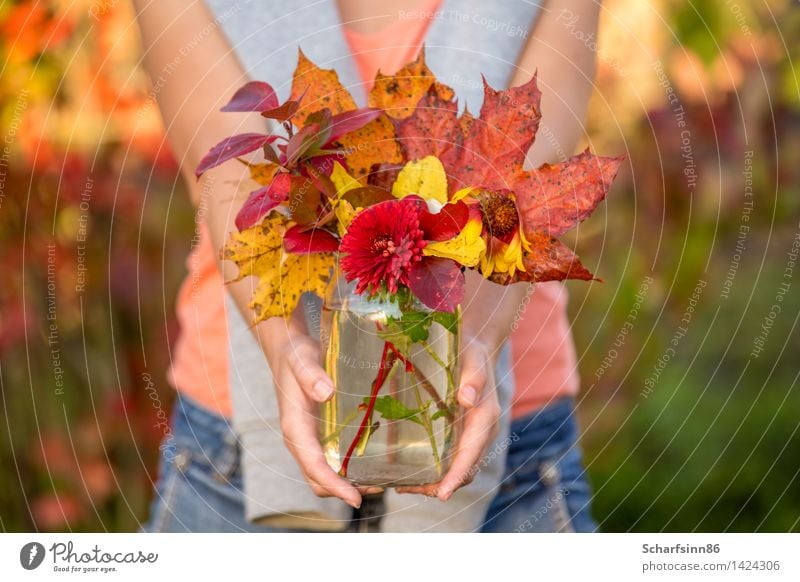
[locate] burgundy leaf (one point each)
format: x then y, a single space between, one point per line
301 142
304 200
254 96
438 283
352 121
323 164
232 147
383 176
283 112
261 201
446 224
317 170
316 240
366 196
271 155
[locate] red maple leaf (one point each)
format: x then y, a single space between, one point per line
489 151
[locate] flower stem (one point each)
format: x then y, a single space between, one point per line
428 426
426 384
350 418
385 362
450 380
373 426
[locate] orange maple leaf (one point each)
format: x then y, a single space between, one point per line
399 94
317 88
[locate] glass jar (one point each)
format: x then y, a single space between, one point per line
393 361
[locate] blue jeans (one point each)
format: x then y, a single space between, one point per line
199 486
544 488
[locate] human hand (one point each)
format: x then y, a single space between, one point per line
477 396
300 384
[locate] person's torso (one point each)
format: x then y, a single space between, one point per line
464 39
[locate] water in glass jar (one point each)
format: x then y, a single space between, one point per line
399 432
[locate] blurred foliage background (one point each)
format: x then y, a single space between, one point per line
690 400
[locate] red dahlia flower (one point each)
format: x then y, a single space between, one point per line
383 249
381 245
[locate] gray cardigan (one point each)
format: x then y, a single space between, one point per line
466 38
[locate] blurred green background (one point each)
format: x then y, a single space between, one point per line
690 402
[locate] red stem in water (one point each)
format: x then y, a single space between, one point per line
376 386
406 362
423 380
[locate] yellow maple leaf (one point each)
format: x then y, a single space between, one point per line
299 274
345 213
342 181
282 277
257 247
263 172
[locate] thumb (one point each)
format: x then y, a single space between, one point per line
310 376
473 375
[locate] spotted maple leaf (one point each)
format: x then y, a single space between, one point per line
374 143
488 152
282 277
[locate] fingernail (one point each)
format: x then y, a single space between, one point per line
468 395
322 390
354 504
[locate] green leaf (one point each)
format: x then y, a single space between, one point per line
416 325
449 321
391 408
394 334
442 412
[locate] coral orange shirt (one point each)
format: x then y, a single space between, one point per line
200 361
543 354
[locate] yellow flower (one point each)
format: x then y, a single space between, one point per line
467 248
426 178
462 194
505 241
505 257
343 182
344 215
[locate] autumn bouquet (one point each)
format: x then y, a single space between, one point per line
381 210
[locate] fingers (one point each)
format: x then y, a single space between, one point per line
304 363
480 426
320 491
473 375
369 490
428 490
300 435
300 382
